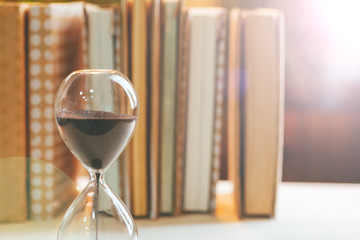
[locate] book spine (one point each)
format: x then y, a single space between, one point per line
139 79
126 155
200 112
119 65
168 105
263 119
51 59
13 109
155 51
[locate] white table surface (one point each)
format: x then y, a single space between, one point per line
304 211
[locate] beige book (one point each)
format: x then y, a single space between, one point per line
201 108
139 80
52 56
155 51
169 39
13 197
263 109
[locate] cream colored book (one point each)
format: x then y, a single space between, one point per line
13 197
52 56
169 56
263 109
201 108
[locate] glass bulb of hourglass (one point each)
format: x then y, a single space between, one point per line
96 113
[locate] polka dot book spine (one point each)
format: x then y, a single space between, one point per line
13 118
54 47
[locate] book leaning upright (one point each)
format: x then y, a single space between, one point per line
138 145
206 71
170 19
262 106
54 52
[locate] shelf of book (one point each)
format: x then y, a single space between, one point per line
177 59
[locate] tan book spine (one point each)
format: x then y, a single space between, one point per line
234 91
181 110
139 79
13 154
51 58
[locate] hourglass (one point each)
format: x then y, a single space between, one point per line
96 113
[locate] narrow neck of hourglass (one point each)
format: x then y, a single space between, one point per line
96 176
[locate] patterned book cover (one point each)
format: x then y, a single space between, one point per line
181 110
55 37
169 39
13 197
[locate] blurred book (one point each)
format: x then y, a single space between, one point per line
256 102
126 156
13 153
54 45
181 103
202 136
170 14
234 109
102 55
154 50
139 144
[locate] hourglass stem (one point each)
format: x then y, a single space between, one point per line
96 203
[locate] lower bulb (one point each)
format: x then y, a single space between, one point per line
97 214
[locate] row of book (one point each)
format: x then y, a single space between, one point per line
204 76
